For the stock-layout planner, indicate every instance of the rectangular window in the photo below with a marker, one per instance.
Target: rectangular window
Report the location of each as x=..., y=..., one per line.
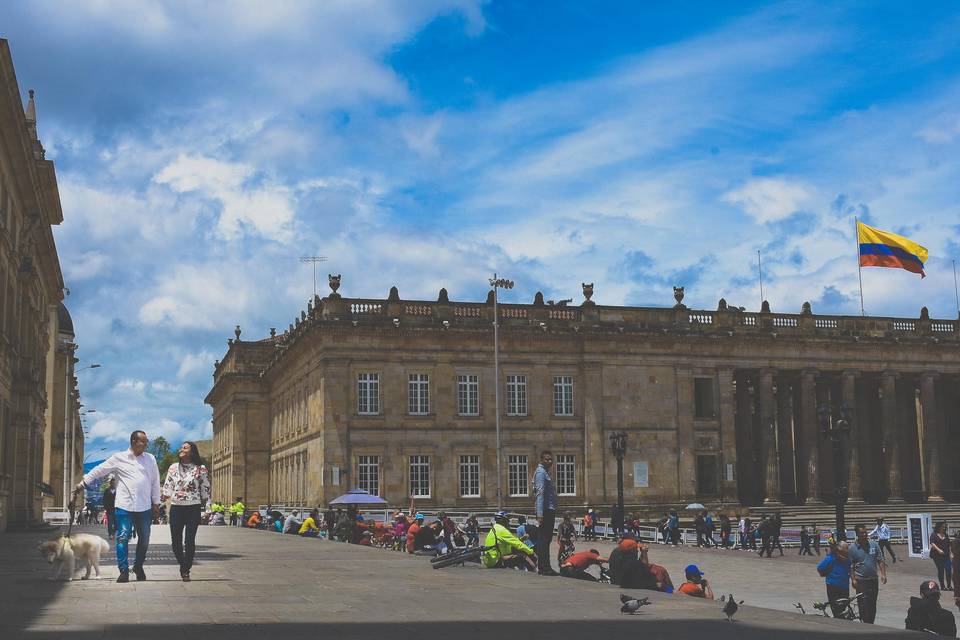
x=562, y=395
x=420, y=476
x=368, y=394
x=566, y=475
x=517, y=480
x=468, y=395
x=418, y=396
x=470, y=476
x=516, y=395
x=703, y=398
x=368, y=474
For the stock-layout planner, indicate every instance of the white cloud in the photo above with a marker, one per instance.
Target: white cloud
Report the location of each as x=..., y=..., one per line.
x=265, y=209
x=192, y=363
x=88, y=265
x=769, y=199
x=197, y=297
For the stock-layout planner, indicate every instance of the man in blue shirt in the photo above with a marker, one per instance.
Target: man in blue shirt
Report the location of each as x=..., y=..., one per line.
x=882, y=533
x=835, y=568
x=869, y=571
x=546, y=505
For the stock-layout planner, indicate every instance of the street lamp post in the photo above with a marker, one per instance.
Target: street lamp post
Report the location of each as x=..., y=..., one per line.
x=498, y=283
x=618, y=444
x=838, y=430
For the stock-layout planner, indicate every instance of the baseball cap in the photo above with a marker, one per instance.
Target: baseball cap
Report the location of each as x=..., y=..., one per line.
x=929, y=588
x=419, y=516
x=692, y=570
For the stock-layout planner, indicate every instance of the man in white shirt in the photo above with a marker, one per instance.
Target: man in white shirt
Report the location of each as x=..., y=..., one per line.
x=882, y=533
x=292, y=522
x=137, y=501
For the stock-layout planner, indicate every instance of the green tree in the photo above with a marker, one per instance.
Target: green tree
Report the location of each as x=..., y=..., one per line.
x=159, y=447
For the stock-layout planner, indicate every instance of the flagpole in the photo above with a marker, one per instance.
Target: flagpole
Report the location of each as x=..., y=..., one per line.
x=760, y=272
x=955, y=291
x=856, y=241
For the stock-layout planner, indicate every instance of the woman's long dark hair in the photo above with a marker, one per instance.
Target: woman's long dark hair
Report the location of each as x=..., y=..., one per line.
x=194, y=453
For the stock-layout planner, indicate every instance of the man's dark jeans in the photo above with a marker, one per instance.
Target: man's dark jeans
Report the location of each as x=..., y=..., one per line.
x=184, y=520
x=544, y=537
x=870, y=587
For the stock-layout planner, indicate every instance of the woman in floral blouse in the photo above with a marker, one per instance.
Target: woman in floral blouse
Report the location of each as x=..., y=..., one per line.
x=188, y=488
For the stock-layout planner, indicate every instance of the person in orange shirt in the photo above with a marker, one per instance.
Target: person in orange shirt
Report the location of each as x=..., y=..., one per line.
x=696, y=585
x=412, y=532
x=254, y=520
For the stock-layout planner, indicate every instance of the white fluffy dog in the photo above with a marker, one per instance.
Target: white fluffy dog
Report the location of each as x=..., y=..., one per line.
x=65, y=552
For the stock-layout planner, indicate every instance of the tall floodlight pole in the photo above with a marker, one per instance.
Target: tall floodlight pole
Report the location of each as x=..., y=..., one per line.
x=498, y=283
x=313, y=260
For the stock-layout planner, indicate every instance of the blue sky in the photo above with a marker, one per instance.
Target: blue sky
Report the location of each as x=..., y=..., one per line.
x=202, y=147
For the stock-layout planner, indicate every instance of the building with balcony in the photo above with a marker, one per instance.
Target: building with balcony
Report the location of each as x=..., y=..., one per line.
x=397, y=397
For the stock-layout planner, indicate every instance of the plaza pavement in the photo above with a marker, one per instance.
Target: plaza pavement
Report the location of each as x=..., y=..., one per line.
x=257, y=584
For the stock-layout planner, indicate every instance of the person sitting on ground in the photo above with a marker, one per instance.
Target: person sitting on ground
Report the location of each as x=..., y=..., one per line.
x=412, y=532
x=291, y=524
x=640, y=573
x=576, y=565
x=621, y=554
x=524, y=533
x=696, y=585
x=310, y=528
x=254, y=520
x=427, y=538
x=926, y=614
x=505, y=550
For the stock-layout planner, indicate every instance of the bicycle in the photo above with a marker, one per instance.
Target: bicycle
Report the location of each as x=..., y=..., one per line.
x=458, y=556
x=849, y=608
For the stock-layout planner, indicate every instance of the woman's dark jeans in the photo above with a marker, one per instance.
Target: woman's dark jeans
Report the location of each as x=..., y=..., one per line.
x=184, y=518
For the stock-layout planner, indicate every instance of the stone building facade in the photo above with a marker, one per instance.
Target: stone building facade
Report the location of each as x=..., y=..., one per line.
x=397, y=397
x=31, y=288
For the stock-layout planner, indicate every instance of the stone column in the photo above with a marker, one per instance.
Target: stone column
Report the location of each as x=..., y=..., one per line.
x=594, y=438
x=931, y=442
x=771, y=485
x=788, y=484
x=686, y=457
x=849, y=396
x=891, y=439
x=747, y=463
x=728, y=433
x=809, y=460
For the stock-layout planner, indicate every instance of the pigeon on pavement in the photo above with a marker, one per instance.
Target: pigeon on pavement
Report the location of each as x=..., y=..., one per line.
x=632, y=605
x=799, y=605
x=730, y=606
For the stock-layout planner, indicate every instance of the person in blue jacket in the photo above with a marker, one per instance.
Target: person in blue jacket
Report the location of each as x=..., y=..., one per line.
x=835, y=569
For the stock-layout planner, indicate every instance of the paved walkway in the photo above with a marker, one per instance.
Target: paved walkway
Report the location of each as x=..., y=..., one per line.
x=257, y=584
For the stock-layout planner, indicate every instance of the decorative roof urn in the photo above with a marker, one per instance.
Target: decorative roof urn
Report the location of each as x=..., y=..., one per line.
x=334, y=282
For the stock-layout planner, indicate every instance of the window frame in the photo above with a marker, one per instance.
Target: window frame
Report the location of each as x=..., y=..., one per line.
x=471, y=383
x=419, y=461
x=561, y=399
x=364, y=392
x=418, y=394
x=471, y=463
x=371, y=462
x=563, y=460
x=518, y=388
x=514, y=462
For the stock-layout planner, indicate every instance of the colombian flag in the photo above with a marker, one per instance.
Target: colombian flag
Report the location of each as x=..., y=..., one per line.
x=884, y=249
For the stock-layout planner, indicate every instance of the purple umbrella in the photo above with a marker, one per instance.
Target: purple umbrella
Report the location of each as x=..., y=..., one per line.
x=358, y=496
